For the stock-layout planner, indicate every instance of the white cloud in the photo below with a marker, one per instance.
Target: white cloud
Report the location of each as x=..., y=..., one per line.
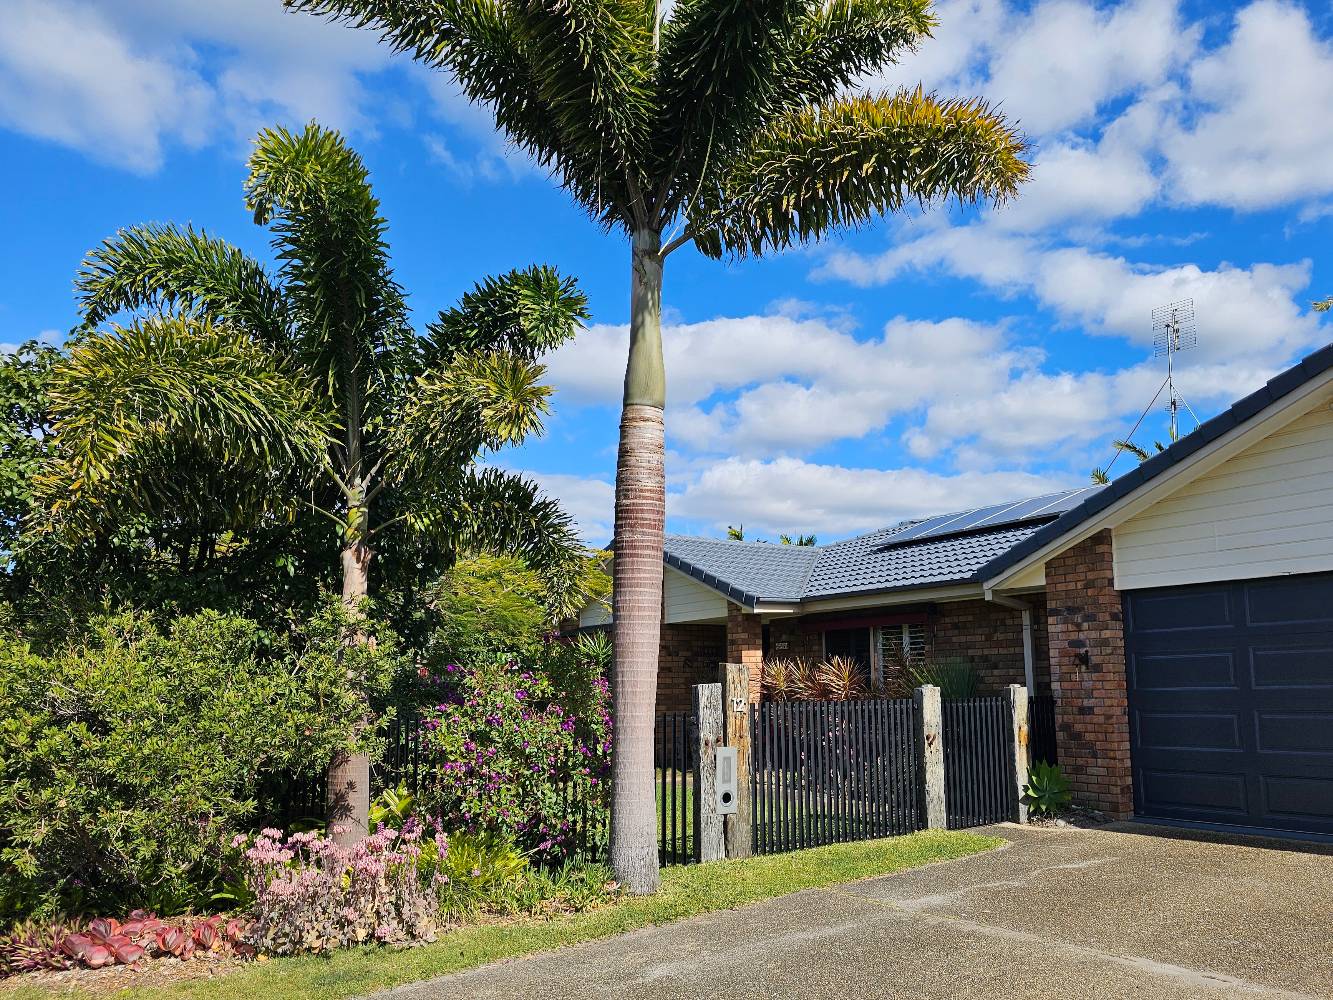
x=1243, y=312
x=1258, y=131
x=789, y=495
x=121, y=82
x=67, y=75
x=790, y=384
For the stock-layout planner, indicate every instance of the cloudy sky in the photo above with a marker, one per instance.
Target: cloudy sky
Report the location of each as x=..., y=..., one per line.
x=925, y=364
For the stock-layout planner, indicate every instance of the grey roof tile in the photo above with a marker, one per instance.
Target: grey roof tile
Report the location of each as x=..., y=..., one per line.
x=748, y=572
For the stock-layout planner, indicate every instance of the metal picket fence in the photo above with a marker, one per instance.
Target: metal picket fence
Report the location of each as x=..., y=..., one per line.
x=827, y=772
x=1041, y=729
x=977, y=746
x=674, y=756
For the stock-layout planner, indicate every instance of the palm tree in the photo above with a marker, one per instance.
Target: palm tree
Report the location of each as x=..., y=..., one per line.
x=238, y=397
x=725, y=125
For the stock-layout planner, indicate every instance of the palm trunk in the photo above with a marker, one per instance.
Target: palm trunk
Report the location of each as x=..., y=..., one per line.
x=640, y=521
x=348, y=786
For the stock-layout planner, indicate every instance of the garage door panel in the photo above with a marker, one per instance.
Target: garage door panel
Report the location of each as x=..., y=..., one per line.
x=1182, y=671
x=1192, y=794
x=1231, y=702
x=1188, y=731
x=1308, y=665
x=1294, y=732
x=1304, y=801
x=1293, y=600
x=1176, y=610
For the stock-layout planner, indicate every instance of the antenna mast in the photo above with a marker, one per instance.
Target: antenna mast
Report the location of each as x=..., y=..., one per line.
x=1175, y=331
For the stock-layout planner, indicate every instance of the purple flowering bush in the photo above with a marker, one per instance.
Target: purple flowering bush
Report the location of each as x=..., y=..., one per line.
x=521, y=750
x=310, y=895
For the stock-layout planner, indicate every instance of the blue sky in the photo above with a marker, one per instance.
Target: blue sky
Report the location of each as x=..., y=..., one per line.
x=927, y=363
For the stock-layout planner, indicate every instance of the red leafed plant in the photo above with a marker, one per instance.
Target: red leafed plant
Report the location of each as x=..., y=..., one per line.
x=107, y=941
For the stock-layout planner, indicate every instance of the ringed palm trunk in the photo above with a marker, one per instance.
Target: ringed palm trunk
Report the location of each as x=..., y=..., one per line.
x=348, y=786
x=640, y=520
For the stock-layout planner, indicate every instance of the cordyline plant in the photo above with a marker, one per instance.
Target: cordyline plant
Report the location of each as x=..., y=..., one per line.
x=735, y=127
x=243, y=395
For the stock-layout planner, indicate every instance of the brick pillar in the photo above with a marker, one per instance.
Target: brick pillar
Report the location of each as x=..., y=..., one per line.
x=1086, y=632
x=745, y=644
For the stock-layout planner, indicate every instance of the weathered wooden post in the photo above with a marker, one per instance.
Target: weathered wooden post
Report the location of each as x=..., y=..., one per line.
x=1017, y=697
x=930, y=756
x=709, y=841
x=735, y=679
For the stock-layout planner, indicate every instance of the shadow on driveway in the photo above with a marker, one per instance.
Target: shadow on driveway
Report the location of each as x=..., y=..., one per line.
x=1066, y=914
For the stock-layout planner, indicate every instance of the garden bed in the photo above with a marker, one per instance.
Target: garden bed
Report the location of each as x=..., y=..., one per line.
x=686, y=891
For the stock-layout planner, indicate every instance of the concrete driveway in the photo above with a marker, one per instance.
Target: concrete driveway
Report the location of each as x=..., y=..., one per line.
x=1068, y=914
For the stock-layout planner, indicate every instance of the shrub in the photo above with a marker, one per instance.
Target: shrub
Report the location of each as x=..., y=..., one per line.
x=489, y=605
x=480, y=872
x=954, y=676
x=313, y=896
x=518, y=752
x=1047, y=791
x=128, y=759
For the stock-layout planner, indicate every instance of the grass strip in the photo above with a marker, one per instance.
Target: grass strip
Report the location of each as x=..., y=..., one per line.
x=686, y=891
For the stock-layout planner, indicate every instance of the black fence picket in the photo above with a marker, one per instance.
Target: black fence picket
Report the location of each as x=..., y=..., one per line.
x=977, y=747
x=1041, y=729
x=830, y=772
x=674, y=759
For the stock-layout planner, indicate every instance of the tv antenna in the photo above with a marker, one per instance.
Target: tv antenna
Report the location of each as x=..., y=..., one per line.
x=1174, y=330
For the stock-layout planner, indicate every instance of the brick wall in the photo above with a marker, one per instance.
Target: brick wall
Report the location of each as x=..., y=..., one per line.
x=801, y=644
x=990, y=637
x=745, y=644
x=689, y=655
x=1087, y=641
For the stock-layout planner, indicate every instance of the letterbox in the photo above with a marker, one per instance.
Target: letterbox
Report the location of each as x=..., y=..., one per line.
x=726, y=780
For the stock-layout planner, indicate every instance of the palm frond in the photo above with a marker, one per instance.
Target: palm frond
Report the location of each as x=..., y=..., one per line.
x=722, y=62
x=491, y=510
x=565, y=81
x=478, y=403
x=1137, y=451
x=163, y=268
x=593, y=63
x=525, y=313
x=845, y=163
x=314, y=192
x=129, y=404
x=838, y=42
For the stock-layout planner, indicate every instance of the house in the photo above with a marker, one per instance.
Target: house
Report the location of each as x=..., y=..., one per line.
x=1181, y=617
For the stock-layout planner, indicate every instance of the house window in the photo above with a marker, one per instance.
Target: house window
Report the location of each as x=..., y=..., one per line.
x=899, y=645
x=852, y=643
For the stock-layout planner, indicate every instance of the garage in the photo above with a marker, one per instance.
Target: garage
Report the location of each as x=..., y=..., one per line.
x=1230, y=690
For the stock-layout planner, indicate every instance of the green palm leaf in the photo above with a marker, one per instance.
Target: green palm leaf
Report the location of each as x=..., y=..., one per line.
x=168, y=268
x=846, y=163
x=130, y=403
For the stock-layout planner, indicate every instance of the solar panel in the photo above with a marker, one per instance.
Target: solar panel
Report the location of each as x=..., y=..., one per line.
x=995, y=516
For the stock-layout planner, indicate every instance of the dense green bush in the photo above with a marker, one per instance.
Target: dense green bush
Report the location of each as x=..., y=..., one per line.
x=126, y=759
x=488, y=605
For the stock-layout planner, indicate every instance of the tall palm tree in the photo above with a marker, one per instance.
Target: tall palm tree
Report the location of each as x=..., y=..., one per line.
x=729, y=126
x=237, y=396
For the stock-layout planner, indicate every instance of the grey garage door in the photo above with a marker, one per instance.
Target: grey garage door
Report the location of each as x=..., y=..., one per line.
x=1231, y=702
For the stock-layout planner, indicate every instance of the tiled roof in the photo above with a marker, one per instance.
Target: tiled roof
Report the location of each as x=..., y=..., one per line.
x=748, y=572
x=744, y=571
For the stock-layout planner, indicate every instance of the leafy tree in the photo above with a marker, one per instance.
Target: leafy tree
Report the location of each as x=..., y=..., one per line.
x=735, y=534
x=245, y=397
x=728, y=126
x=804, y=540
x=1324, y=305
x=25, y=436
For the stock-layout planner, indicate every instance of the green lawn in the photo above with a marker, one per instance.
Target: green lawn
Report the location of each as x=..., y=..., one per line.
x=686, y=891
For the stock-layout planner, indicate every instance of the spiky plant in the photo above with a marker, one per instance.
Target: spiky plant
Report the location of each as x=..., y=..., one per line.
x=243, y=395
x=842, y=679
x=738, y=128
